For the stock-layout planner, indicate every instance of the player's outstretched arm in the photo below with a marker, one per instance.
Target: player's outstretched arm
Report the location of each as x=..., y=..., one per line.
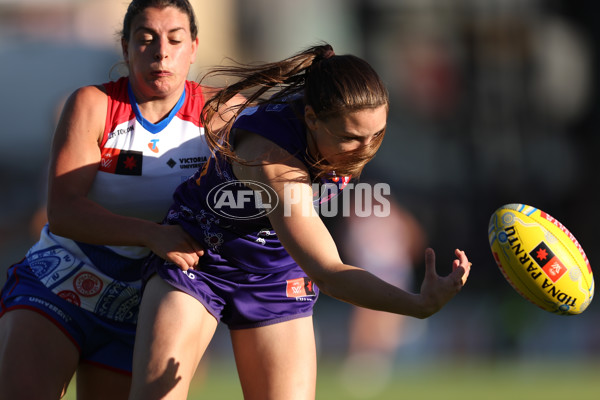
x=308, y=241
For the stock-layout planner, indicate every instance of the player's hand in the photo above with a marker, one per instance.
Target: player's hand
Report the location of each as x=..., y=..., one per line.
x=437, y=290
x=173, y=244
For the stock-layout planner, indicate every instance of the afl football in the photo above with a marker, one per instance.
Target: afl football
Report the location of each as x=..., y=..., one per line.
x=541, y=259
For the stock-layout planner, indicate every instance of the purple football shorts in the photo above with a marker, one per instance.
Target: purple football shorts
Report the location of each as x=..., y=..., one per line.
x=102, y=342
x=241, y=299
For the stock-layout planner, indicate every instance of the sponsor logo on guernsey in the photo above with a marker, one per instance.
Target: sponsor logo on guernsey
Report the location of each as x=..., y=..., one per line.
x=121, y=162
x=153, y=145
x=120, y=131
x=300, y=289
x=188, y=162
x=192, y=162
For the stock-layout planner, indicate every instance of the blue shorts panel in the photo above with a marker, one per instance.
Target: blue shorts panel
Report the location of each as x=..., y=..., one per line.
x=241, y=299
x=102, y=342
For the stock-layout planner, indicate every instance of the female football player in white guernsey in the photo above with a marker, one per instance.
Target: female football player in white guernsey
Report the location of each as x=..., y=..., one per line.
x=119, y=151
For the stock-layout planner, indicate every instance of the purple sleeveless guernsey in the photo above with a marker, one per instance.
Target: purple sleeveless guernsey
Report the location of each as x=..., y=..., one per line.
x=244, y=241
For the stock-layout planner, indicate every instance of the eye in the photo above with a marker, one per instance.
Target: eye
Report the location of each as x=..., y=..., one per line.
x=145, y=39
x=176, y=39
x=378, y=133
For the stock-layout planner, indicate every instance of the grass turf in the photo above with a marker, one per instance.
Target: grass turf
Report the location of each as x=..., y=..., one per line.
x=433, y=379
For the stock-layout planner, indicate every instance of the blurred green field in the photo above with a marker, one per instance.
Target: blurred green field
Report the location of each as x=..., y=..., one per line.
x=464, y=380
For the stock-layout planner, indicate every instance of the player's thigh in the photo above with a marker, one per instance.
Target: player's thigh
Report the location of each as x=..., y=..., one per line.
x=277, y=361
x=100, y=383
x=173, y=332
x=37, y=359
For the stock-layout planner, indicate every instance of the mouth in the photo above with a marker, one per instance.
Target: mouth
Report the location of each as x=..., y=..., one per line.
x=161, y=73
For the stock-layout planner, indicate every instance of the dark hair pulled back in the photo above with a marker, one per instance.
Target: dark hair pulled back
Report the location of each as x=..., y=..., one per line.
x=333, y=85
x=136, y=7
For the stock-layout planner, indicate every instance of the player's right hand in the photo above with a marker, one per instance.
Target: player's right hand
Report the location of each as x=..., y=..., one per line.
x=173, y=244
x=437, y=290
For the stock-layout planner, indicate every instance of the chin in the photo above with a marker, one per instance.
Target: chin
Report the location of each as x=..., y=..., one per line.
x=162, y=86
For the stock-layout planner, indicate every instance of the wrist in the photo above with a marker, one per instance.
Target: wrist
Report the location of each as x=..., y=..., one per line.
x=425, y=307
x=147, y=234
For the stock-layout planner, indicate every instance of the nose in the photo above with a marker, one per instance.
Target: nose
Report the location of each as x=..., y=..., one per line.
x=161, y=50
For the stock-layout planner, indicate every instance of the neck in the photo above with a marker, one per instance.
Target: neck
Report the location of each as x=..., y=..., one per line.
x=156, y=108
x=311, y=148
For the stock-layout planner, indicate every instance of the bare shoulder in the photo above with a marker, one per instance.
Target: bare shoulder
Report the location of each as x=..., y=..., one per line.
x=86, y=96
x=85, y=111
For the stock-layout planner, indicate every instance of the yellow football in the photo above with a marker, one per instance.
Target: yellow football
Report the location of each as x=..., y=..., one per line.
x=541, y=259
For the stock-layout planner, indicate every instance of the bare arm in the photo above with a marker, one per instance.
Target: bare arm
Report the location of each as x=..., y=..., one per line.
x=73, y=166
x=308, y=241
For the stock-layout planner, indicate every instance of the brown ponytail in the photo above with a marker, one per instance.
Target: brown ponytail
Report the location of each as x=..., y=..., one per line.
x=333, y=85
